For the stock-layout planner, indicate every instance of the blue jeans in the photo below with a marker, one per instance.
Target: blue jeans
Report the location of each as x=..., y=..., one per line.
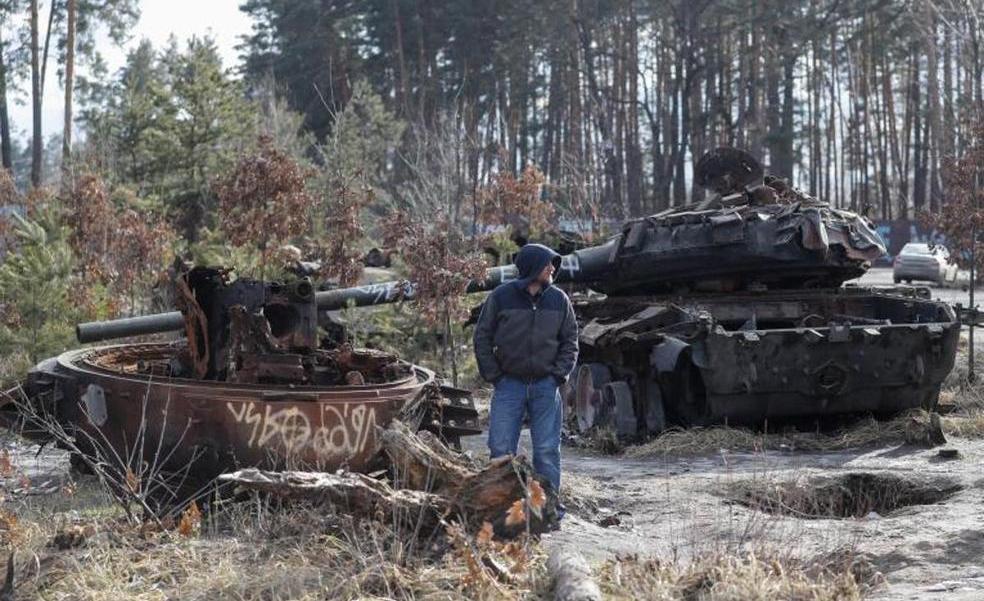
x=512, y=399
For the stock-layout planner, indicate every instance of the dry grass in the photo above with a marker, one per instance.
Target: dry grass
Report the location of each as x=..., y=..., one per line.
x=970, y=425
x=13, y=367
x=962, y=402
x=865, y=432
x=755, y=576
x=247, y=551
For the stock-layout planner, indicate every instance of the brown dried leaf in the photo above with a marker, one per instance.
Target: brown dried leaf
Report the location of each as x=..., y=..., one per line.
x=132, y=481
x=441, y=262
x=264, y=201
x=519, y=555
x=484, y=536
x=516, y=514
x=6, y=465
x=538, y=498
x=10, y=530
x=516, y=201
x=191, y=520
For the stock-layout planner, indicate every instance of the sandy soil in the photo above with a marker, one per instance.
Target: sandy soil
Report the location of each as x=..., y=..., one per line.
x=675, y=508
x=678, y=507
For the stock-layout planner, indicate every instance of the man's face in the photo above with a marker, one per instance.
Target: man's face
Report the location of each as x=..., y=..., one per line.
x=546, y=276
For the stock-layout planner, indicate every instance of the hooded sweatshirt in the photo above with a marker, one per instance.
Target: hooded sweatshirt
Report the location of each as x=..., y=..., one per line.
x=525, y=336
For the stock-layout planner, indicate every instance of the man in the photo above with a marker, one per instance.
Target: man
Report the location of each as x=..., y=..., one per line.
x=526, y=344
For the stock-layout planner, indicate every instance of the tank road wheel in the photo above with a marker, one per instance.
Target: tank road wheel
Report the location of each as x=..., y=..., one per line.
x=687, y=403
x=591, y=377
x=655, y=414
x=618, y=399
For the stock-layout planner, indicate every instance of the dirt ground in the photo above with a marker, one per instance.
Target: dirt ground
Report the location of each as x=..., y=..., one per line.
x=684, y=507
x=679, y=507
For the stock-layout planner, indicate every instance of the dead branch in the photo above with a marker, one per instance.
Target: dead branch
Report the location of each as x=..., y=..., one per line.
x=353, y=493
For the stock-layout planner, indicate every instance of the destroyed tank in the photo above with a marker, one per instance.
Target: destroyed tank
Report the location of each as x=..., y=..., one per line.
x=250, y=385
x=734, y=310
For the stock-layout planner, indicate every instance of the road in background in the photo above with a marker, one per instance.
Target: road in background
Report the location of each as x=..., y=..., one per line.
x=882, y=276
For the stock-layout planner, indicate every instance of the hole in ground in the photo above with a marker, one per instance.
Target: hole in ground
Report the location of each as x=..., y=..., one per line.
x=848, y=495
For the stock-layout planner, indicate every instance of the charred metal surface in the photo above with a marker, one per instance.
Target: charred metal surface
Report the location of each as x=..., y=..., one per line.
x=114, y=398
x=118, y=402
x=749, y=357
x=250, y=386
x=730, y=311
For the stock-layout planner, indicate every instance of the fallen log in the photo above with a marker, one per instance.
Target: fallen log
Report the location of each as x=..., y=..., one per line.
x=355, y=494
x=431, y=481
x=477, y=496
x=571, y=577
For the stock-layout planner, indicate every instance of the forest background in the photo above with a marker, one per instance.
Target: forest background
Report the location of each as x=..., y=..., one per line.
x=446, y=127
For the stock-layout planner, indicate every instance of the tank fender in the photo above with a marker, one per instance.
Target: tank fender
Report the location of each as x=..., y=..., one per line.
x=664, y=355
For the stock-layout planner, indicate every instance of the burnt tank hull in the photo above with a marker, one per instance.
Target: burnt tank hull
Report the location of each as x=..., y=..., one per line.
x=180, y=433
x=647, y=362
x=734, y=310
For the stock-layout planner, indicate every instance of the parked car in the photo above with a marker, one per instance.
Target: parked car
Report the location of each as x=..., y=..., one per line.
x=921, y=261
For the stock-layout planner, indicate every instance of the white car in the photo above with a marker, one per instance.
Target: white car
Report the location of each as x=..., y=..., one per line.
x=921, y=261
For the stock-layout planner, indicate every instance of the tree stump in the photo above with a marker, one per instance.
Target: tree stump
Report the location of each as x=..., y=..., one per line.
x=432, y=481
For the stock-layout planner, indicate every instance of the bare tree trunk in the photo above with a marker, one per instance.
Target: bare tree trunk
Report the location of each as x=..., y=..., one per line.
x=69, y=85
x=35, y=97
x=401, y=90
x=5, y=151
x=634, y=180
x=774, y=108
x=893, y=142
x=933, y=97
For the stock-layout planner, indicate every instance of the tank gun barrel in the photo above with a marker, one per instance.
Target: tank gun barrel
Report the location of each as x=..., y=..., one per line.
x=95, y=331
x=584, y=265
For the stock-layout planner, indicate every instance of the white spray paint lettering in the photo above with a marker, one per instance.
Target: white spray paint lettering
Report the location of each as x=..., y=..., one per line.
x=343, y=431
x=570, y=264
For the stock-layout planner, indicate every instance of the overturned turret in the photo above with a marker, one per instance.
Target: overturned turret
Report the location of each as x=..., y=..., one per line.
x=252, y=384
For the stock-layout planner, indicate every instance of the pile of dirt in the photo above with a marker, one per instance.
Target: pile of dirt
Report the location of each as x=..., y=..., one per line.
x=850, y=495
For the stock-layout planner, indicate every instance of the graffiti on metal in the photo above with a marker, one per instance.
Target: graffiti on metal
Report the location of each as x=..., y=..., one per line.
x=344, y=430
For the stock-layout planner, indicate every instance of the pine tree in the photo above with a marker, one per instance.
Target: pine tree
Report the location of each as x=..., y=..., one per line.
x=36, y=284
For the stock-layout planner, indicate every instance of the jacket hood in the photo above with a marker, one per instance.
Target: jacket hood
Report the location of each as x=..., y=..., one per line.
x=530, y=261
